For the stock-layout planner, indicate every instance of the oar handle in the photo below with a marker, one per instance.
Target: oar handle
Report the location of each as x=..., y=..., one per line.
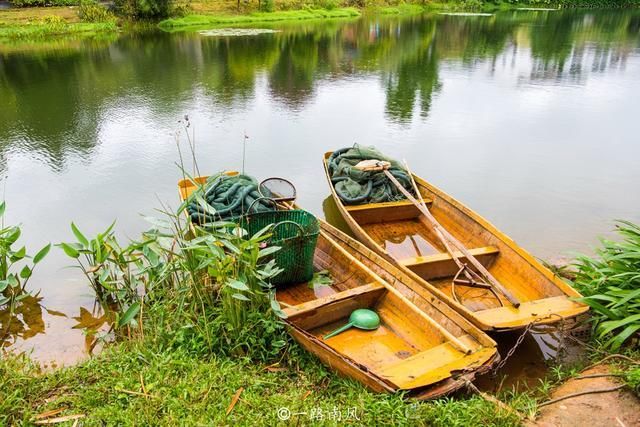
x=339, y=330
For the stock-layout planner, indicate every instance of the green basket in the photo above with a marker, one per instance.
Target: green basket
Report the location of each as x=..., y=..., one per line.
x=296, y=232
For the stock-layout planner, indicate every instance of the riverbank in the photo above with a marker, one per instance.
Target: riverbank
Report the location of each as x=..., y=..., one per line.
x=179, y=360
x=289, y=15
x=169, y=379
x=36, y=23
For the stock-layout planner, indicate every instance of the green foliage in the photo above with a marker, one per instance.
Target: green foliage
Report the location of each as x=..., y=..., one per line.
x=92, y=11
x=31, y=3
x=53, y=26
x=117, y=274
x=267, y=6
x=632, y=378
x=327, y=4
x=320, y=278
x=469, y=5
x=215, y=284
x=610, y=283
x=144, y=9
x=203, y=20
x=15, y=270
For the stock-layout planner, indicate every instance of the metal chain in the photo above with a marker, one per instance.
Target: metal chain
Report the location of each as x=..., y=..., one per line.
x=501, y=364
x=562, y=350
x=561, y=340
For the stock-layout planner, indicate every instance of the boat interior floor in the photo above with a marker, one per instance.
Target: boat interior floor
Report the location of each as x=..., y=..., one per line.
x=406, y=350
x=412, y=243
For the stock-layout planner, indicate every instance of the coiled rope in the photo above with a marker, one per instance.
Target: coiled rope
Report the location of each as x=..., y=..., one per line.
x=227, y=197
x=355, y=186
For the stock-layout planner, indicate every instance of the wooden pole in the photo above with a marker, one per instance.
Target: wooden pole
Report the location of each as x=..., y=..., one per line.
x=442, y=232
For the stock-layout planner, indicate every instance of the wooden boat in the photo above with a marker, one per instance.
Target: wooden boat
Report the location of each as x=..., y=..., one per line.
x=417, y=346
x=399, y=232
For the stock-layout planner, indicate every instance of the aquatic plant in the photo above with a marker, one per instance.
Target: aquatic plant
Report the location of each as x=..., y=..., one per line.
x=213, y=278
x=117, y=274
x=13, y=283
x=610, y=283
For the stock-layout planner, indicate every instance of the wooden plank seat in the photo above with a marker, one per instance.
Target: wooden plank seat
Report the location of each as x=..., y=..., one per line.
x=371, y=213
x=441, y=265
x=542, y=311
x=430, y=365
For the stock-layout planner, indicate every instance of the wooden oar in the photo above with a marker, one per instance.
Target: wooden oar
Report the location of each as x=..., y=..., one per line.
x=462, y=267
x=441, y=232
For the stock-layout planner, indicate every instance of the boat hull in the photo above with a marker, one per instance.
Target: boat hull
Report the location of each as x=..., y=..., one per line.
x=545, y=297
x=415, y=349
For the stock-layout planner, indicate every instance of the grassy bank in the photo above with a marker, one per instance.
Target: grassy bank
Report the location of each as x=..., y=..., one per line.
x=143, y=383
x=41, y=30
x=39, y=23
x=289, y=15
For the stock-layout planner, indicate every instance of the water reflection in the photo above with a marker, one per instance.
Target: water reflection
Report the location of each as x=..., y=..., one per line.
x=22, y=322
x=53, y=99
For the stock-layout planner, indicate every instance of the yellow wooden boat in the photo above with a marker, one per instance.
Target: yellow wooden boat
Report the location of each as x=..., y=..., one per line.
x=422, y=346
x=399, y=233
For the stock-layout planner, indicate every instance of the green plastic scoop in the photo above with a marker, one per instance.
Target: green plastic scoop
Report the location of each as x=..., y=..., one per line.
x=361, y=318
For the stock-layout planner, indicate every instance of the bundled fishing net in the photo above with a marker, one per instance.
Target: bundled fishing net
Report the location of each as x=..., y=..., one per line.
x=355, y=186
x=229, y=196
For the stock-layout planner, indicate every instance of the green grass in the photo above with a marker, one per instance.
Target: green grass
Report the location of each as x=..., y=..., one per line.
x=42, y=30
x=402, y=9
x=289, y=15
x=186, y=389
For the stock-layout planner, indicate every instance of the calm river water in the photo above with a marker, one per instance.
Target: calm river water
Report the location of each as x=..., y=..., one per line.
x=530, y=118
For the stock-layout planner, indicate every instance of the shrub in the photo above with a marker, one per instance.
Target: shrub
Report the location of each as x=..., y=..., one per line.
x=92, y=11
x=327, y=4
x=267, y=5
x=144, y=9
